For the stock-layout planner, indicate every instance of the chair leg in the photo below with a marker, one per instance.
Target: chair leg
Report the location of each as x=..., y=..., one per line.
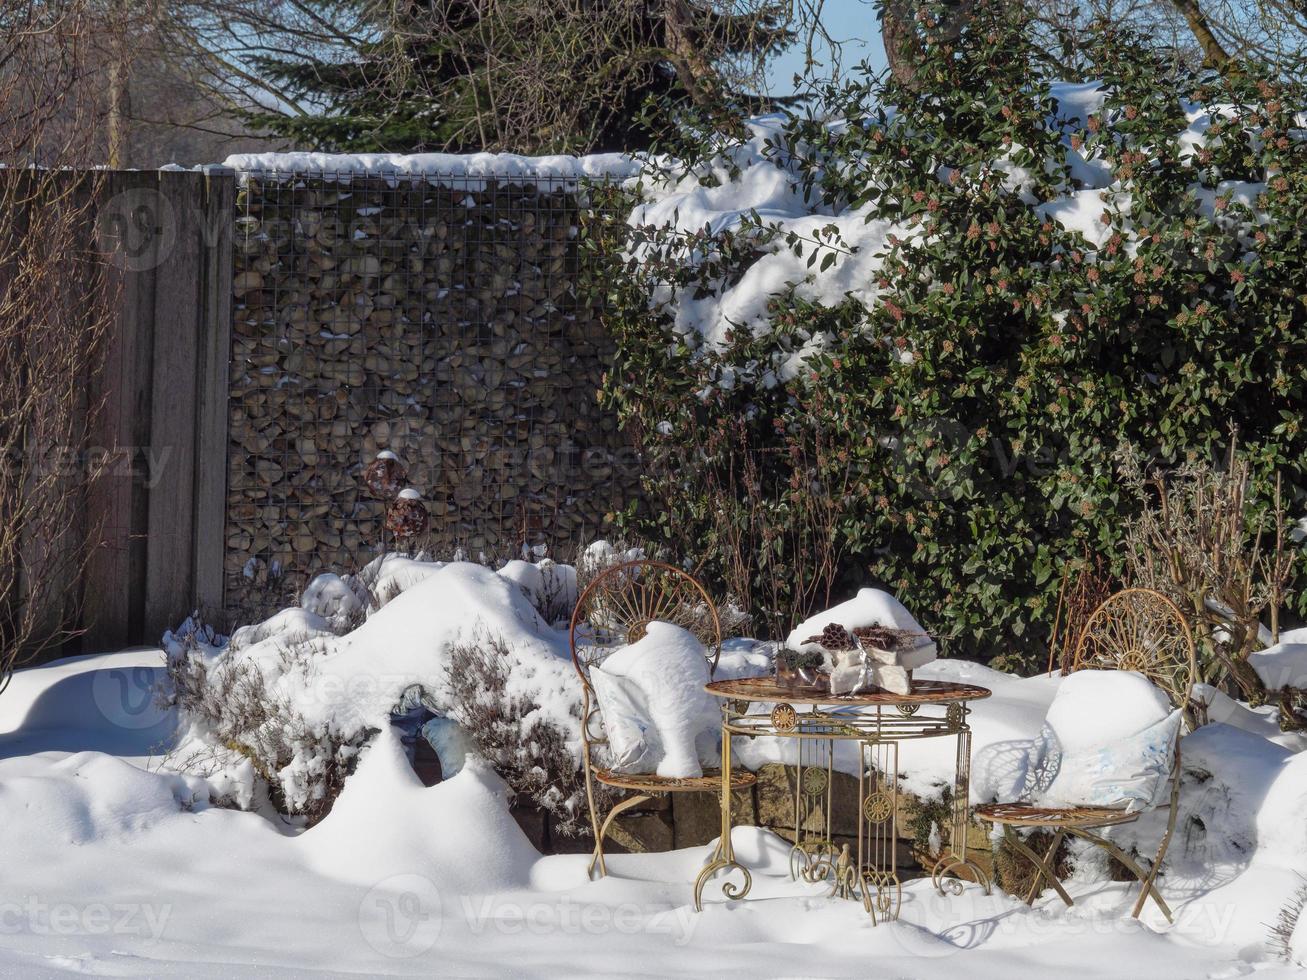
x=598, y=855
x=1148, y=885
x=597, y=859
x=1146, y=878
x=1043, y=870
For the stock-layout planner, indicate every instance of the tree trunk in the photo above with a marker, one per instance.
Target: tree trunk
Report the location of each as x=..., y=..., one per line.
x=902, y=47
x=118, y=77
x=696, y=72
x=1214, y=55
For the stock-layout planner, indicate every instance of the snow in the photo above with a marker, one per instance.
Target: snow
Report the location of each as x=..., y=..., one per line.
x=1282, y=665
x=120, y=861
x=360, y=677
x=469, y=170
x=765, y=190
x=752, y=191
x=870, y=607
x=1110, y=742
x=383, y=825
x=651, y=694
x=1094, y=707
x=402, y=879
x=330, y=598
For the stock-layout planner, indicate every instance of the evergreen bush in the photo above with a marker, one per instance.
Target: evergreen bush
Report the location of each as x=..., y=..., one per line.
x=961, y=416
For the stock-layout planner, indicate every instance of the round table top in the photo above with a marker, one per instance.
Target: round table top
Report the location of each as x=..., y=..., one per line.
x=923, y=692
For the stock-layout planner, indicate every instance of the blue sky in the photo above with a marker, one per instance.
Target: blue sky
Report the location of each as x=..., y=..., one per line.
x=851, y=21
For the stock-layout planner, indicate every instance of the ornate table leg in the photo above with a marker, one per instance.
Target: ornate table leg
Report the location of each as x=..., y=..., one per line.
x=813, y=856
x=876, y=875
x=724, y=856
x=947, y=871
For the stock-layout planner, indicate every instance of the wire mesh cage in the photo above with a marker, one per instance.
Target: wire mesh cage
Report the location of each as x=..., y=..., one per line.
x=437, y=316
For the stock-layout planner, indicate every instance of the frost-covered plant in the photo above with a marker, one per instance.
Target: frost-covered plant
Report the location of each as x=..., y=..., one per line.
x=539, y=761
x=1000, y=282
x=228, y=701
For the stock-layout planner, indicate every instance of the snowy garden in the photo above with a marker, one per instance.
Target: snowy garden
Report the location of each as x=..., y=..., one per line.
x=937, y=604
x=154, y=839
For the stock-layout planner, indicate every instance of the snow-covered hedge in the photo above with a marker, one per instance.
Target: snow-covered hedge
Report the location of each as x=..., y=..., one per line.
x=927, y=330
x=293, y=699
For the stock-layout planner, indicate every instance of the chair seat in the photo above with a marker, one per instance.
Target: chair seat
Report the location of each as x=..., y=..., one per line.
x=1030, y=815
x=648, y=782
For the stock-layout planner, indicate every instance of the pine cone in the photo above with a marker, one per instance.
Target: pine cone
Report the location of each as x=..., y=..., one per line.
x=886, y=637
x=833, y=637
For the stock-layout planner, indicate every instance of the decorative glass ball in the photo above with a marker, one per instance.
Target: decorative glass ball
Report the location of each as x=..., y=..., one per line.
x=385, y=476
x=406, y=517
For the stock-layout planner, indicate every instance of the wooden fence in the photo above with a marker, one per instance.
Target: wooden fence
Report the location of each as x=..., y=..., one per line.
x=163, y=419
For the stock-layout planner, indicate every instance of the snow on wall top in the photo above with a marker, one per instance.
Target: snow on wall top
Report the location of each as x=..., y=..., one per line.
x=470, y=165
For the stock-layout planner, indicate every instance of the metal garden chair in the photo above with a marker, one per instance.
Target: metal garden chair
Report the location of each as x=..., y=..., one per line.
x=1139, y=630
x=614, y=610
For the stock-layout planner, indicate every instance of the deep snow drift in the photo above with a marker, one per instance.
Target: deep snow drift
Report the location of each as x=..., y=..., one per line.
x=118, y=863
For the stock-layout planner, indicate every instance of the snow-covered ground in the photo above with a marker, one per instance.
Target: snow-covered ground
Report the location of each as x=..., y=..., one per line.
x=115, y=863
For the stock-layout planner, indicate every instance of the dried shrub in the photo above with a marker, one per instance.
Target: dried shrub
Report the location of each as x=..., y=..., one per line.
x=1086, y=585
x=537, y=759
x=1015, y=874
x=304, y=769
x=1205, y=538
x=1281, y=937
x=56, y=311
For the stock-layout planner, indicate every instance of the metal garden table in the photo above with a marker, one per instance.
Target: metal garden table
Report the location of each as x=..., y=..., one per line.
x=877, y=721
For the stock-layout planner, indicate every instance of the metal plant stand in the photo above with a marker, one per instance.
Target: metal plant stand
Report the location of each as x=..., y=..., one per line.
x=877, y=721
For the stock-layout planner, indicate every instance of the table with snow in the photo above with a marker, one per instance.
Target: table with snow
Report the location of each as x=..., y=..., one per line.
x=877, y=721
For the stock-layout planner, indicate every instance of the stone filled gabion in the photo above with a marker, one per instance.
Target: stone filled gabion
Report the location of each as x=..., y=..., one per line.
x=440, y=321
x=385, y=476
x=407, y=517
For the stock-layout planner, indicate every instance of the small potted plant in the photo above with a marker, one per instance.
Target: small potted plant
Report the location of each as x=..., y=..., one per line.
x=800, y=670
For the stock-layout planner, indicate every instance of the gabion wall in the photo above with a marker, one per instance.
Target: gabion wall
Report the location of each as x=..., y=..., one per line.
x=434, y=316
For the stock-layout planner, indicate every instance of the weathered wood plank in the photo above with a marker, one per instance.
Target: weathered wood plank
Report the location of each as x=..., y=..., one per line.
x=212, y=412
x=169, y=465
x=113, y=580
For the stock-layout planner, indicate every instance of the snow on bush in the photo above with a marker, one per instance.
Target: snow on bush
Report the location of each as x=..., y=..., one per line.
x=298, y=695
x=941, y=320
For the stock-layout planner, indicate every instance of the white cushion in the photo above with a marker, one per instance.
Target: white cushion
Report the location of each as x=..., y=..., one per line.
x=632, y=741
x=656, y=713
x=1108, y=740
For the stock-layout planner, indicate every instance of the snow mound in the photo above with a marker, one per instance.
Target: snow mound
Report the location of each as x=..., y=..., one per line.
x=1282, y=665
x=304, y=698
x=385, y=823
x=89, y=796
x=1093, y=707
x=870, y=607
x=361, y=677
